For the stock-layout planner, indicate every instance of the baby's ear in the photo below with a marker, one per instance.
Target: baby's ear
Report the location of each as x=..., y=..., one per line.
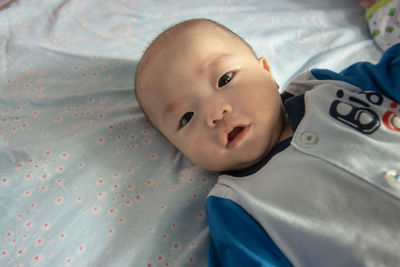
x=264, y=64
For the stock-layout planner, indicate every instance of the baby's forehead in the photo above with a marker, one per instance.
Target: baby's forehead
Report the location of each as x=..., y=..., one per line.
x=181, y=45
x=165, y=40
x=187, y=35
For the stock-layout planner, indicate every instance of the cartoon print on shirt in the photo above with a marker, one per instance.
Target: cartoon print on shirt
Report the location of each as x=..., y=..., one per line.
x=357, y=113
x=359, y=117
x=391, y=120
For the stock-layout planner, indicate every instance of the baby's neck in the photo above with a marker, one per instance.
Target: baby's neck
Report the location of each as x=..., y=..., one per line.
x=286, y=131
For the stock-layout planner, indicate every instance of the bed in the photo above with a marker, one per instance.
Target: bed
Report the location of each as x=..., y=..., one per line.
x=84, y=179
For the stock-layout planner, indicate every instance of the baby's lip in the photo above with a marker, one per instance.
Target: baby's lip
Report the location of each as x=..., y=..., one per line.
x=235, y=135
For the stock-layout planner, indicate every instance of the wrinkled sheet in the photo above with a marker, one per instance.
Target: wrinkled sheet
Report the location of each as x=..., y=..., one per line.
x=84, y=179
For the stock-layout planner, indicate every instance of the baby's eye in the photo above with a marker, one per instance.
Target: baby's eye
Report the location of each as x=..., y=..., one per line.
x=185, y=119
x=226, y=78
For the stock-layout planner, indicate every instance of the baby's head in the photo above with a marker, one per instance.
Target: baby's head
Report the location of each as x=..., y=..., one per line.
x=203, y=88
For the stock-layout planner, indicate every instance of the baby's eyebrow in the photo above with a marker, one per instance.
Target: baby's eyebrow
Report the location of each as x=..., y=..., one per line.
x=211, y=60
x=170, y=108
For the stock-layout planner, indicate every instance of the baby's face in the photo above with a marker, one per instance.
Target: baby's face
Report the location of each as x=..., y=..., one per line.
x=217, y=103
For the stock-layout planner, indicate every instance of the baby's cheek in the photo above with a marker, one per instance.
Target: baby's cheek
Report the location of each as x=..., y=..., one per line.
x=201, y=146
x=193, y=147
x=199, y=143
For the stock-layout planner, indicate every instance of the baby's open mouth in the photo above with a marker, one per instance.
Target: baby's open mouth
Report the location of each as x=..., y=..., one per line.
x=236, y=136
x=235, y=131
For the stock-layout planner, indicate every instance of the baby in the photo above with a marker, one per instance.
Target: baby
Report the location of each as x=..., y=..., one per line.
x=310, y=177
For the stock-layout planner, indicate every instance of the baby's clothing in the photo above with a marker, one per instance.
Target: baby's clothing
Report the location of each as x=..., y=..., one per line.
x=384, y=22
x=329, y=196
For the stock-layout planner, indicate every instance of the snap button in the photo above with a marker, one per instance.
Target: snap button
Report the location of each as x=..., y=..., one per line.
x=309, y=138
x=393, y=177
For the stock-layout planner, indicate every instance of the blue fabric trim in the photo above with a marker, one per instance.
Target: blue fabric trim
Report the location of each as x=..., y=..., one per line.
x=382, y=77
x=237, y=239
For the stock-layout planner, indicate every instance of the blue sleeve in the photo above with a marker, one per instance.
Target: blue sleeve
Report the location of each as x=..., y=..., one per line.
x=237, y=239
x=383, y=77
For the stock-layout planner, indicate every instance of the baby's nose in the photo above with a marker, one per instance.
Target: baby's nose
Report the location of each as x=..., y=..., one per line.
x=217, y=114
